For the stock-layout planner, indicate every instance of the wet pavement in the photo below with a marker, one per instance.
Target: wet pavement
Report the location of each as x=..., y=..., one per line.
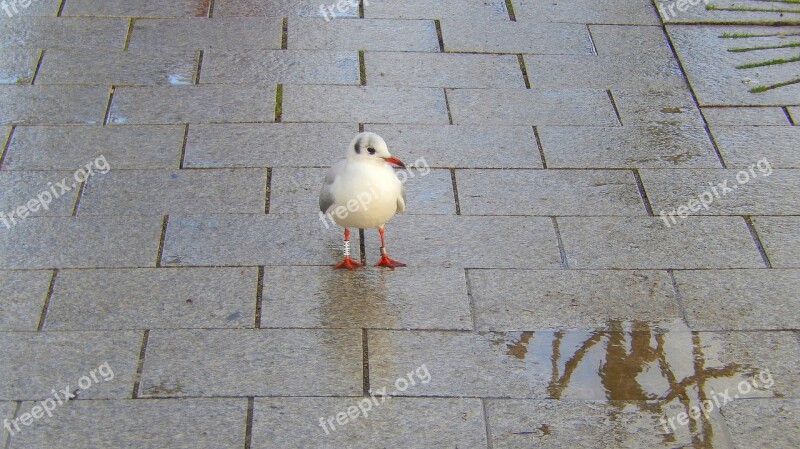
x=602, y=227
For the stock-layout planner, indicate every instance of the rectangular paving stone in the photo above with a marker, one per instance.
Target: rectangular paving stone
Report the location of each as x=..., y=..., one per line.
x=366, y=34
x=154, y=298
x=21, y=189
x=600, y=72
x=587, y=107
x=281, y=67
x=779, y=236
x=122, y=8
x=62, y=32
x=631, y=43
x=775, y=426
x=314, y=297
x=648, y=243
x=745, y=116
x=585, y=299
x=268, y=362
x=61, y=242
x=764, y=192
x=61, y=66
x=124, y=147
x=548, y=192
x=398, y=422
x=730, y=11
x=34, y=8
x=654, y=146
x=490, y=10
x=267, y=144
x=22, y=296
x=201, y=33
x=467, y=146
x=48, y=105
x=180, y=424
x=278, y=8
x=628, y=12
x=159, y=192
x=657, y=103
x=516, y=37
x=443, y=70
x=206, y=103
x=36, y=363
x=17, y=66
x=725, y=299
x=742, y=146
x=364, y=104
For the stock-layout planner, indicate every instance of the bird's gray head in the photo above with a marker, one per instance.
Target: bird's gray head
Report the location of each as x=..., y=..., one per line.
x=370, y=146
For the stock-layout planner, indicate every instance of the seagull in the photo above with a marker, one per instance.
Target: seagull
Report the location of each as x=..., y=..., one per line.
x=362, y=191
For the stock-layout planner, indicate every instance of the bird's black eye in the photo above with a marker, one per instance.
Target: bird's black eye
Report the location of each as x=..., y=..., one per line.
x=371, y=150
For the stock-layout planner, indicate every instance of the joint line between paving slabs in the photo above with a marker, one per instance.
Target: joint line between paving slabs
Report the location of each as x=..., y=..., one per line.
x=488, y=429
x=38, y=66
x=591, y=39
x=757, y=239
x=643, y=193
x=365, y=362
x=788, y=116
x=361, y=9
x=259, y=296
x=614, y=106
x=210, y=9
x=455, y=190
x=81, y=189
x=362, y=246
x=539, y=146
x=108, y=105
x=713, y=141
x=524, y=71
x=248, y=423
x=199, y=66
x=61, y=8
x=438, y=24
x=678, y=295
x=361, y=127
x=470, y=299
x=362, y=68
x=561, y=250
x=284, y=33
x=6, y=145
x=510, y=8
x=447, y=106
x=140, y=365
x=46, y=305
x=128, y=34
x=279, y=103
x=182, y=160
x=17, y=407
x=268, y=191
x=161, y=241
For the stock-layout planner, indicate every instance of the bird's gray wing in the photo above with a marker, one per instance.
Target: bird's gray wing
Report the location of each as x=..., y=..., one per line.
x=401, y=200
x=326, y=198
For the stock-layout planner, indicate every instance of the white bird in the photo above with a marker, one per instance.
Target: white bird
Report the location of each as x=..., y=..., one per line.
x=362, y=191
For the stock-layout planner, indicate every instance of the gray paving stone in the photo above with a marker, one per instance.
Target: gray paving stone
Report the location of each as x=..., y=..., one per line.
x=62, y=32
x=506, y=300
x=753, y=115
x=154, y=298
x=548, y=192
x=745, y=12
x=724, y=300
x=366, y=34
x=647, y=243
x=764, y=422
x=600, y=72
x=281, y=67
x=60, y=242
x=628, y=12
x=267, y=144
x=630, y=43
x=34, y=8
x=398, y=422
x=159, y=192
x=278, y=8
x=104, y=67
x=489, y=10
x=17, y=66
x=178, y=424
x=36, y=363
x=147, y=8
x=206, y=103
x=22, y=296
x=222, y=33
x=516, y=37
x=775, y=194
x=655, y=146
x=741, y=146
x=364, y=104
x=314, y=297
x=21, y=189
x=779, y=236
x=7, y=410
x=46, y=105
x=295, y=362
x=587, y=107
x=442, y=70
x=296, y=190
x=657, y=103
x=124, y=147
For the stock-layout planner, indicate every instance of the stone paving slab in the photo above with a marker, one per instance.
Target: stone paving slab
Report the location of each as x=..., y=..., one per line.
x=740, y=299
x=21, y=189
x=17, y=66
x=489, y=10
x=159, y=192
x=36, y=363
x=764, y=423
x=657, y=104
x=647, y=243
x=61, y=242
x=278, y=8
x=320, y=297
x=745, y=116
x=467, y=146
x=741, y=146
x=253, y=363
x=7, y=410
x=281, y=67
x=507, y=300
x=654, y=146
x=443, y=70
x=44, y=105
x=366, y=34
x=159, y=298
x=627, y=12
x=22, y=297
x=201, y=34
x=516, y=37
x=208, y=103
x=267, y=145
x=631, y=42
x=58, y=32
x=178, y=424
x=779, y=236
x=124, y=147
x=314, y=103
x=35, y=8
x=123, y=8
x=548, y=193
x=397, y=422
x=731, y=11
x=600, y=72
x=587, y=107
x=104, y=67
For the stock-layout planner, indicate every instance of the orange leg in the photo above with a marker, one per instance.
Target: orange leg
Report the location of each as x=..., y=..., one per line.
x=385, y=261
x=348, y=263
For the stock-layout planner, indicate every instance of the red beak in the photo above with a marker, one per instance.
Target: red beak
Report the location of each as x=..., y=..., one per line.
x=395, y=161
